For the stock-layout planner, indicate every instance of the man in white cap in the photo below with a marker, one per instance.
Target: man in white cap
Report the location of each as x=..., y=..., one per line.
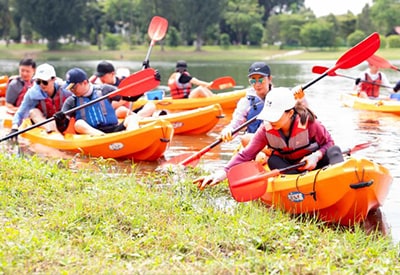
x=293, y=133
x=43, y=99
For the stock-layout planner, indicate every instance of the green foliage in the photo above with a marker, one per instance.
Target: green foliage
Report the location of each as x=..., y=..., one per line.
x=256, y=34
x=224, y=41
x=318, y=34
x=393, y=41
x=112, y=41
x=52, y=21
x=355, y=37
x=384, y=14
x=173, y=37
x=240, y=14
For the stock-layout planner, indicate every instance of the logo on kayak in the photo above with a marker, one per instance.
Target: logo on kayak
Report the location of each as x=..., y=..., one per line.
x=177, y=124
x=116, y=146
x=296, y=196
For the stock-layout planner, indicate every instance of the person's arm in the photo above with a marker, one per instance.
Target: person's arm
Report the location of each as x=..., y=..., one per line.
x=13, y=90
x=256, y=145
x=28, y=103
x=385, y=82
x=239, y=115
x=320, y=134
x=199, y=82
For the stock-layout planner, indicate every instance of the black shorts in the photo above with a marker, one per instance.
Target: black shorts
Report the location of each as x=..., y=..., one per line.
x=113, y=128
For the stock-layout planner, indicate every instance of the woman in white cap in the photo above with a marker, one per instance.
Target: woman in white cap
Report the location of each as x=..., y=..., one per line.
x=43, y=99
x=293, y=133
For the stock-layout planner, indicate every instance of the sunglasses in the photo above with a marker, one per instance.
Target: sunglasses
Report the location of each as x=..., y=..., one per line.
x=44, y=82
x=253, y=81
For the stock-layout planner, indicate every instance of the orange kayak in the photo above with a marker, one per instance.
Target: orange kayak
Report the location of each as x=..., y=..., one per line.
x=343, y=193
x=192, y=122
x=188, y=122
x=227, y=100
x=147, y=143
x=3, y=85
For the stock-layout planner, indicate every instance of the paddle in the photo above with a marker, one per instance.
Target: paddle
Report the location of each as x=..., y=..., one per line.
x=135, y=84
x=222, y=83
x=321, y=70
x=156, y=31
x=248, y=181
x=381, y=62
x=351, y=58
x=192, y=160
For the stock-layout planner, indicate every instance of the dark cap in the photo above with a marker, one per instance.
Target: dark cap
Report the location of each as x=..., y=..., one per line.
x=259, y=68
x=181, y=64
x=103, y=68
x=73, y=76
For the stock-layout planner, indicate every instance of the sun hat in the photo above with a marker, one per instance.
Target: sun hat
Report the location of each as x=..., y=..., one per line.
x=73, y=76
x=45, y=72
x=103, y=68
x=277, y=101
x=259, y=68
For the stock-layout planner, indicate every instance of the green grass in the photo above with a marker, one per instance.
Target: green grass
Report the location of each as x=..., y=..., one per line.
x=208, y=53
x=57, y=220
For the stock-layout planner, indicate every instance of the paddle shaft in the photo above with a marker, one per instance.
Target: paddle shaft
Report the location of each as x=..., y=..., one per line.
x=70, y=111
x=215, y=143
x=321, y=69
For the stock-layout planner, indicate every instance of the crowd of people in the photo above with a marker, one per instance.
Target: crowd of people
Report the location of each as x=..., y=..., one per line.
x=284, y=132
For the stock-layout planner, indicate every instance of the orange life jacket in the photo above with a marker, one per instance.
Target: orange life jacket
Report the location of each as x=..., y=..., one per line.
x=177, y=89
x=297, y=145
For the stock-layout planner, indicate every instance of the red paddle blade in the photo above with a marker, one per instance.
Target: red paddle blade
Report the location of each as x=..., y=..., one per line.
x=157, y=28
x=247, y=190
x=359, y=52
x=138, y=83
x=321, y=70
x=381, y=62
x=221, y=83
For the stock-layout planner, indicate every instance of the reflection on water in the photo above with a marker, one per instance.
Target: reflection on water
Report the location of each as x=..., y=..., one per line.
x=348, y=127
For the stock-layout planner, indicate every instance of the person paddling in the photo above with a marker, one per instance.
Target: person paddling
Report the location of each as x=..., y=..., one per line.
x=180, y=83
x=293, y=133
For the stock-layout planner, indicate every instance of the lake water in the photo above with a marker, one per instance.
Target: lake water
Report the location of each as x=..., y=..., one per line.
x=348, y=127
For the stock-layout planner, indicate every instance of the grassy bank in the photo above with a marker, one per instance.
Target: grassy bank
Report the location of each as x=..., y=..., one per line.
x=55, y=220
x=208, y=53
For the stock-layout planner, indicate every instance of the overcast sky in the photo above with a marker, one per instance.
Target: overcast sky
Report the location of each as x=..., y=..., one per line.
x=325, y=7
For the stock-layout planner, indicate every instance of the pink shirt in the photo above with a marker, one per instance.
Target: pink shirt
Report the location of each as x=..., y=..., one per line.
x=316, y=132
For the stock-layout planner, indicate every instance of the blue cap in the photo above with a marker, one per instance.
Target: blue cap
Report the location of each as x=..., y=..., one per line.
x=73, y=76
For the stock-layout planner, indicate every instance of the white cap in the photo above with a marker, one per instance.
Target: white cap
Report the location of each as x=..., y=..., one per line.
x=277, y=101
x=44, y=72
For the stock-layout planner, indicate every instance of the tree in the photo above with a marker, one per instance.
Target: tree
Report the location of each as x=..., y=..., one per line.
x=53, y=19
x=5, y=19
x=318, y=34
x=197, y=15
x=384, y=13
x=364, y=21
x=240, y=15
x=272, y=7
